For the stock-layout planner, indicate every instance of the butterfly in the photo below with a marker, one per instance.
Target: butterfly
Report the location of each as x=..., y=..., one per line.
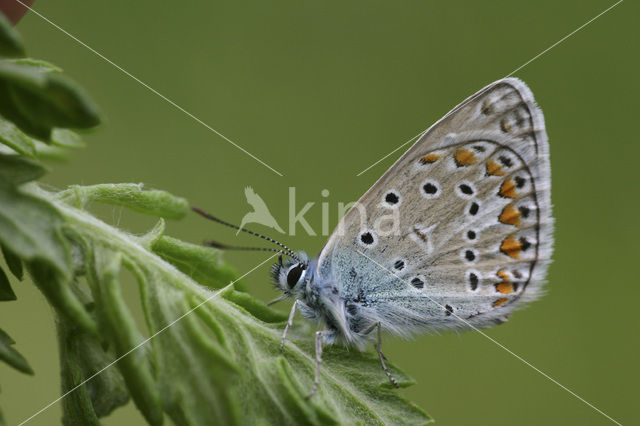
x=457, y=234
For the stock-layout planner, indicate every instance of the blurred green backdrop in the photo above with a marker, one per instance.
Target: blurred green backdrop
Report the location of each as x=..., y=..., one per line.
x=319, y=91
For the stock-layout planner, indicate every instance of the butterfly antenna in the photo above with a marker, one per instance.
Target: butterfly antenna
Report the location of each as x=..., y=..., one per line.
x=215, y=244
x=286, y=250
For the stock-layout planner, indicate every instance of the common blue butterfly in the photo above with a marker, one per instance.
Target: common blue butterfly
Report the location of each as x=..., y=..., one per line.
x=471, y=240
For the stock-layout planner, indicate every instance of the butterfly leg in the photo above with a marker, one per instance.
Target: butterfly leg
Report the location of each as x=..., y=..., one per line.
x=289, y=324
x=316, y=380
x=378, y=347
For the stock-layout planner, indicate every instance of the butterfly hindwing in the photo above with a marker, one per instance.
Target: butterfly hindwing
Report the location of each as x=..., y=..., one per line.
x=460, y=224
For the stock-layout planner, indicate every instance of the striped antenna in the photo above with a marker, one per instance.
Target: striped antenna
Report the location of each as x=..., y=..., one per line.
x=286, y=250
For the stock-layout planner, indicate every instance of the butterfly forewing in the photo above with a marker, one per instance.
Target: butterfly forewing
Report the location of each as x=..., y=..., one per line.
x=460, y=224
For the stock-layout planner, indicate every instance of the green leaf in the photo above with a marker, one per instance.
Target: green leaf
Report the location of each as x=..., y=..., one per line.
x=16, y=170
x=6, y=292
x=131, y=195
x=297, y=406
x=12, y=357
x=193, y=346
x=30, y=227
x=50, y=151
x=134, y=364
x=10, y=40
x=14, y=138
x=254, y=306
x=203, y=264
x=81, y=358
x=36, y=64
x=60, y=295
x=37, y=100
x=13, y=262
x=67, y=139
x=215, y=355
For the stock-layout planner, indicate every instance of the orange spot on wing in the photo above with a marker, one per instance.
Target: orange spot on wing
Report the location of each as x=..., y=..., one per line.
x=505, y=287
x=464, y=157
x=508, y=189
x=486, y=107
x=502, y=274
x=500, y=302
x=429, y=158
x=420, y=234
x=510, y=216
x=511, y=247
x=493, y=168
x=505, y=126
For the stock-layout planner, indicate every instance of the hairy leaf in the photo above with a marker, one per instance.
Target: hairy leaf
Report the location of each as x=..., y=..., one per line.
x=215, y=355
x=30, y=227
x=131, y=195
x=120, y=326
x=57, y=289
x=95, y=388
x=200, y=263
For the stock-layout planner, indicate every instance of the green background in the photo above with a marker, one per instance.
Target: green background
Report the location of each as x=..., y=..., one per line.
x=319, y=91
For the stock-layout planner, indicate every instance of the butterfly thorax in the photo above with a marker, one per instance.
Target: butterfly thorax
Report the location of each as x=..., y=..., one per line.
x=321, y=301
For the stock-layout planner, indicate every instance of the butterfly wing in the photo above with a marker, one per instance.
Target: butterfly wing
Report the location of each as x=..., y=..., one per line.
x=459, y=227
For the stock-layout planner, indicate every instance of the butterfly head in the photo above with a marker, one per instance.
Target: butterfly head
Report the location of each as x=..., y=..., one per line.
x=288, y=275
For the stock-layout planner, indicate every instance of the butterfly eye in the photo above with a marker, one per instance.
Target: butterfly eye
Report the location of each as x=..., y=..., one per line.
x=294, y=274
